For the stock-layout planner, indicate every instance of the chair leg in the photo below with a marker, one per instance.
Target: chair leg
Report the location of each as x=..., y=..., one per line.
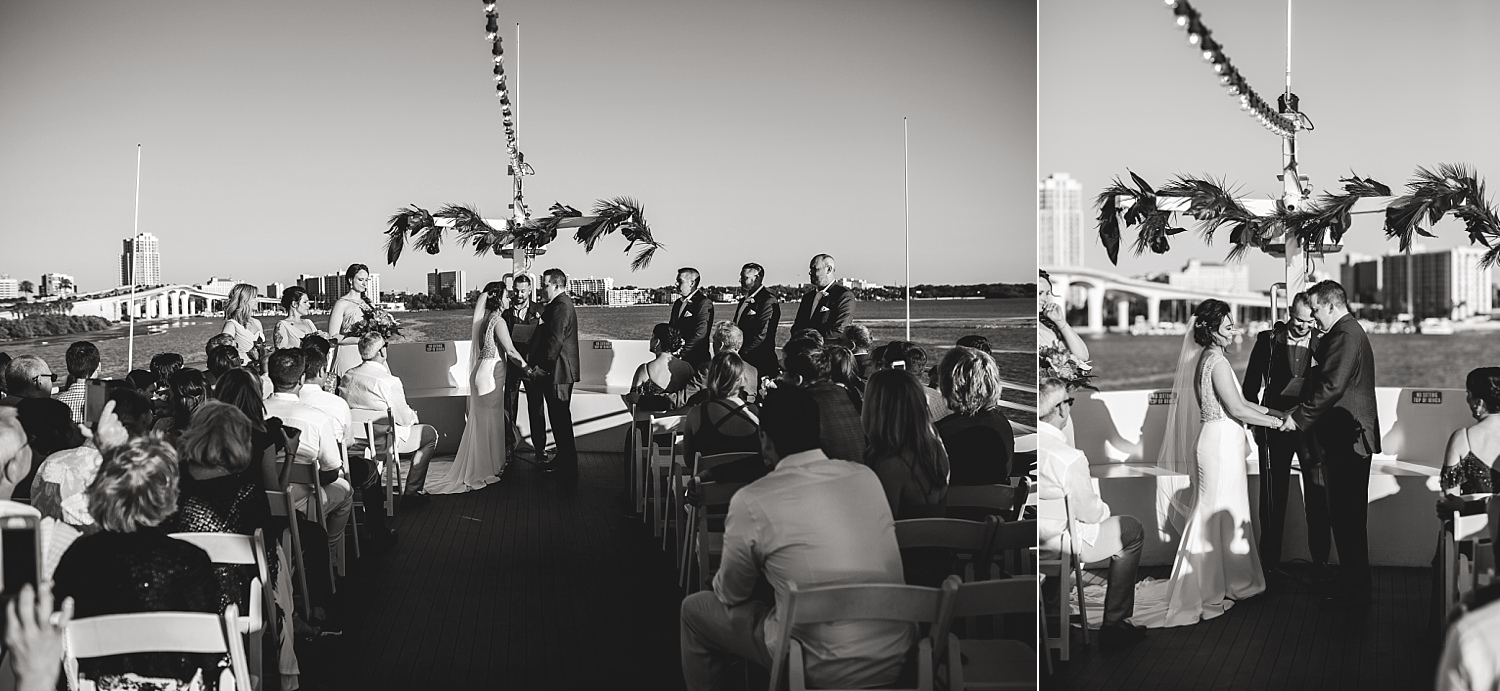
x=1083, y=612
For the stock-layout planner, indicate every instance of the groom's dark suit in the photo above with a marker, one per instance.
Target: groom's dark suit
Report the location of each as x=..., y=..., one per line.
x=1338, y=410
x=1276, y=362
x=554, y=349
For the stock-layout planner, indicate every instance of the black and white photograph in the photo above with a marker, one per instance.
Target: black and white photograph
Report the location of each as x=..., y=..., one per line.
x=1266, y=259
x=403, y=344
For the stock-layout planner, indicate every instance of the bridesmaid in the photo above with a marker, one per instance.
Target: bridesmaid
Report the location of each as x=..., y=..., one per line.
x=348, y=311
x=240, y=322
x=289, y=331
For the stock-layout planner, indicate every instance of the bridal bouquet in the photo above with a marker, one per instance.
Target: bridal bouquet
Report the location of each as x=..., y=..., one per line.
x=376, y=321
x=1058, y=361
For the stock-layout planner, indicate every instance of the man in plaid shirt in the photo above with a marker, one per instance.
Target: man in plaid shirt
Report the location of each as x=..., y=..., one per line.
x=83, y=364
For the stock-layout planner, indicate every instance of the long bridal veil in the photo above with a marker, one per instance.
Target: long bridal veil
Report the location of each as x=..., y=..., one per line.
x=1180, y=443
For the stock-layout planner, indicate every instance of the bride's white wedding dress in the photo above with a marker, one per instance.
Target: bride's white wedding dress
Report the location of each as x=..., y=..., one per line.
x=481, y=451
x=1217, y=560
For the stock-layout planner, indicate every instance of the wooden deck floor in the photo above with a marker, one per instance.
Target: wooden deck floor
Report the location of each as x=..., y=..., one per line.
x=1279, y=640
x=525, y=584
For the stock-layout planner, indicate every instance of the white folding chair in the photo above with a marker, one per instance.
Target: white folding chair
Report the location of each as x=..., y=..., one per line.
x=245, y=550
x=659, y=463
x=374, y=433
x=161, y=632
x=881, y=602
x=690, y=534
x=1061, y=565
x=990, y=664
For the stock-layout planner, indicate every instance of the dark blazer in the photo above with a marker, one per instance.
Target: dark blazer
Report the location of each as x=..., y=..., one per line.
x=693, y=320
x=531, y=316
x=554, y=348
x=758, y=320
x=833, y=314
x=1338, y=399
x=1272, y=362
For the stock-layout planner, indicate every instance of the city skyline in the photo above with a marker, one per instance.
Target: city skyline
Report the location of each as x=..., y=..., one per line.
x=1164, y=113
x=298, y=129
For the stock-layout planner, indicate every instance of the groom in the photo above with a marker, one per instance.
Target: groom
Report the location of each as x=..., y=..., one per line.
x=1338, y=412
x=552, y=367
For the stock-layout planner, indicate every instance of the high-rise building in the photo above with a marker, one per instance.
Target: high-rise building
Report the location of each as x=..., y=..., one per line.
x=57, y=285
x=450, y=284
x=334, y=287
x=1360, y=276
x=314, y=287
x=274, y=290
x=1059, y=220
x=1447, y=284
x=591, y=286
x=10, y=288
x=141, y=260
x=373, y=288
x=621, y=297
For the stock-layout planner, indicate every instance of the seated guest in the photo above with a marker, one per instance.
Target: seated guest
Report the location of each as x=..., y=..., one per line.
x=142, y=380
x=1063, y=471
x=60, y=490
x=913, y=358
x=186, y=390
x=83, y=365
x=219, y=492
x=27, y=376
x=858, y=337
x=796, y=348
x=813, y=335
x=976, y=342
x=797, y=524
x=839, y=363
x=1469, y=461
x=723, y=422
x=902, y=448
x=324, y=347
x=314, y=393
x=1471, y=656
x=841, y=435
x=724, y=337
x=658, y=383
x=49, y=429
x=220, y=360
x=371, y=386
x=240, y=388
x=319, y=446
x=216, y=340
x=134, y=566
x=163, y=366
x=979, y=438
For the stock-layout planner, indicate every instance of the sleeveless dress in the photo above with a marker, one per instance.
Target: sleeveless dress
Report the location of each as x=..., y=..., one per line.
x=346, y=356
x=1471, y=475
x=1217, y=560
x=481, y=451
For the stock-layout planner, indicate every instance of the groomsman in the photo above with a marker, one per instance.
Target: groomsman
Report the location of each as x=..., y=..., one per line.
x=692, y=314
x=757, y=315
x=827, y=308
x=523, y=311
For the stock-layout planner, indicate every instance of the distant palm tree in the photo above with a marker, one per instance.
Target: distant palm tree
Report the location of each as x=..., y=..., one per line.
x=28, y=288
x=66, y=285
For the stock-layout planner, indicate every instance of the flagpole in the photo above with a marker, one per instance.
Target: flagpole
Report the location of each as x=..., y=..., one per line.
x=130, y=349
x=906, y=212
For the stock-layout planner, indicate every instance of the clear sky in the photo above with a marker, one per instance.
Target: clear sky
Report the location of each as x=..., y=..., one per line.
x=1389, y=84
x=279, y=135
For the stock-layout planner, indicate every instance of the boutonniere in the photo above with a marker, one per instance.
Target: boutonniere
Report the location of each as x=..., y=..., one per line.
x=824, y=308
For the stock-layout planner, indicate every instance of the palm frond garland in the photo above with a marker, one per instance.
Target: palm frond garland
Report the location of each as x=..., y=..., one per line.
x=1451, y=189
x=621, y=214
x=409, y=221
x=627, y=216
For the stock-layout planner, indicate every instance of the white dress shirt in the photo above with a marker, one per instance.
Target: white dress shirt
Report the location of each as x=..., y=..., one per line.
x=1471, y=656
x=1063, y=471
x=818, y=522
x=337, y=408
x=318, y=444
x=371, y=386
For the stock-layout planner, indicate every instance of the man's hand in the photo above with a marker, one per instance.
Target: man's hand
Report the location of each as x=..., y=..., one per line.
x=1287, y=425
x=111, y=432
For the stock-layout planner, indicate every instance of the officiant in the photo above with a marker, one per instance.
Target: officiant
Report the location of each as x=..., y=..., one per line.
x=522, y=317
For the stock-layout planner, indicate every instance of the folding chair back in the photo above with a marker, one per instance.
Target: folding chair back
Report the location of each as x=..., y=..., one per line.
x=990, y=663
x=879, y=602
x=161, y=632
x=373, y=433
x=245, y=550
x=976, y=501
x=1067, y=565
x=282, y=506
x=705, y=544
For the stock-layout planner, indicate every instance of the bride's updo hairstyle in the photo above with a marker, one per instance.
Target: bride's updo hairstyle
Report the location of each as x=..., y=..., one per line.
x=1484, y=384
x=494, y=295
x=1208, y=316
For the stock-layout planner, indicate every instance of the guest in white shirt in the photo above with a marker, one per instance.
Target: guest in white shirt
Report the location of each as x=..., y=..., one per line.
x=371, y=386
x=314, y=378
x=1063, y=471
x=800, y=523
x=1471, y=654
x=319, y=444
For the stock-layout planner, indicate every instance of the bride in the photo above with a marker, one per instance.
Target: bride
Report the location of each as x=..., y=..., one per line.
x=1217, y=561
x=481, y=451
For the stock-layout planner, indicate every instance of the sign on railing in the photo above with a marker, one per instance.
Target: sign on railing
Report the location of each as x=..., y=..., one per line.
x=1427, y=397
x=1162, y=397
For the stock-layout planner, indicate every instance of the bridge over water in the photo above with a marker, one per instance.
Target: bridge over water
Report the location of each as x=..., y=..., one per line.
x=1100, y=287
